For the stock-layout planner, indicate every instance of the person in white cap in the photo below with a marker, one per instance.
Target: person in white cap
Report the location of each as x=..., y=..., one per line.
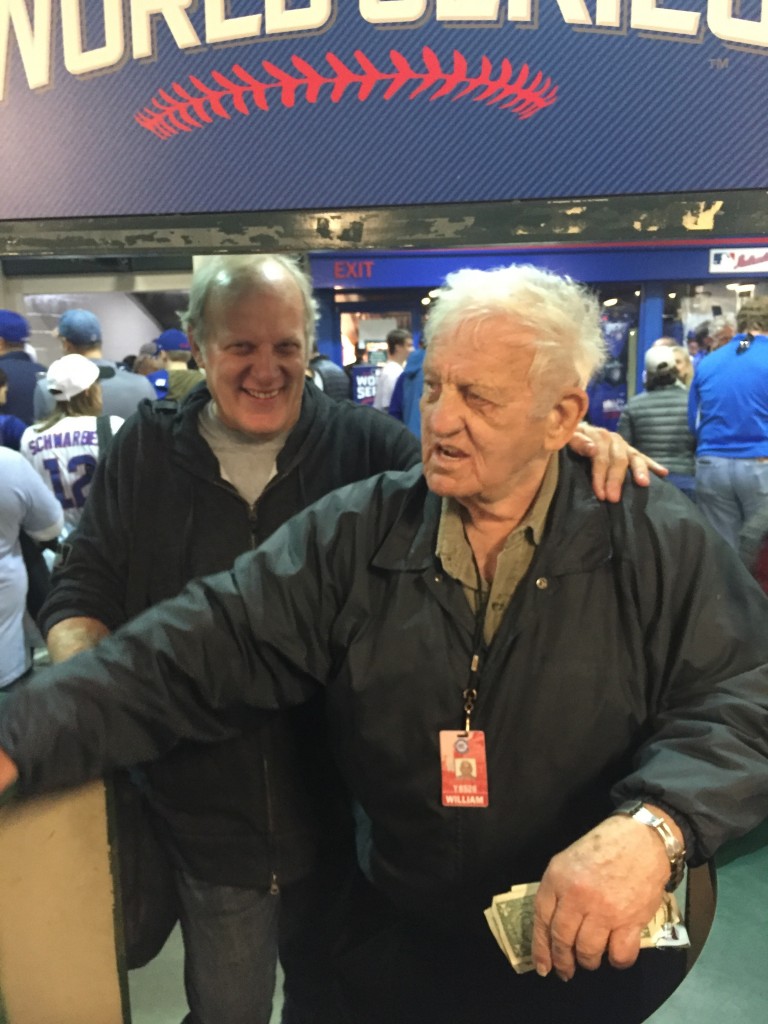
x=656, y=420
x=65, y=448
x=79, y=331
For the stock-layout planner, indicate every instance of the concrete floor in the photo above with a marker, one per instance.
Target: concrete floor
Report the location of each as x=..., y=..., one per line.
x=157, y=990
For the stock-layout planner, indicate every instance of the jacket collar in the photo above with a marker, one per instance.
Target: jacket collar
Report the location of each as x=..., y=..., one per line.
x=410, y=544
x=576, y=537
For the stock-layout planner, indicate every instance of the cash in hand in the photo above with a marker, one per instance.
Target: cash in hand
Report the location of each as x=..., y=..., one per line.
x=510, y=918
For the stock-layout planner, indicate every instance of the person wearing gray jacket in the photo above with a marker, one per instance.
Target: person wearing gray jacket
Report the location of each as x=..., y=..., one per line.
x=80, y=333
x=656, y=420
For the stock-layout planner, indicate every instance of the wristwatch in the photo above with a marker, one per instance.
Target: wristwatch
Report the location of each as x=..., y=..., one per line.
x=675, y=850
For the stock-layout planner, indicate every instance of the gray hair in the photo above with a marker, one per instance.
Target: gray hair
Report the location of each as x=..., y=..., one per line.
x=563, y=315
x=234, y=276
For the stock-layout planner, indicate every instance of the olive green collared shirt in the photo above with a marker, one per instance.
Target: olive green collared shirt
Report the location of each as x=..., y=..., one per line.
x=458, y=560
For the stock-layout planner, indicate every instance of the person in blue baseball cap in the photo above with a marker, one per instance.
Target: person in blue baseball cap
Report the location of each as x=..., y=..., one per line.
x=20, y=368
x=80, y=333
x=181, y=379
x=80, y=329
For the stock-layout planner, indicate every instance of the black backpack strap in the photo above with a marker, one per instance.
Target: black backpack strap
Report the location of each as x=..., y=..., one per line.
x=104, y=435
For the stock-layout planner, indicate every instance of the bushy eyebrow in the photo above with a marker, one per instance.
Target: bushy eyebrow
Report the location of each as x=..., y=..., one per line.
x=485, y=388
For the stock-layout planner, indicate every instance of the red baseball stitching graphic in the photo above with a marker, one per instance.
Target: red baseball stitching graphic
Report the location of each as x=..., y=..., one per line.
x=182, y=111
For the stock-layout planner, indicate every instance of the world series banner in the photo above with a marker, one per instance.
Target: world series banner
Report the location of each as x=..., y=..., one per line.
x=118, y=107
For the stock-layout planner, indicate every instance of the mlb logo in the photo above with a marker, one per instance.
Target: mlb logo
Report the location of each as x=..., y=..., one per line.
x=722, y=261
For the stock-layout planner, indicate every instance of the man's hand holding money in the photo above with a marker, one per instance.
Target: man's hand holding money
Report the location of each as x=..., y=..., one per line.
x=596, y=896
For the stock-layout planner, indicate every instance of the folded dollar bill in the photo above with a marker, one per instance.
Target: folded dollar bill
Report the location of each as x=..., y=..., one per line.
x=510, y=918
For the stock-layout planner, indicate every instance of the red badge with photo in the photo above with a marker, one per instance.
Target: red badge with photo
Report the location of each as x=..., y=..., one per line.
x=464, y=769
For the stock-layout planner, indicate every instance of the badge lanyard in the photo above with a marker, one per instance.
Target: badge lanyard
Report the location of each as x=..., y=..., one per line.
x=463, y=762
x=470, y=694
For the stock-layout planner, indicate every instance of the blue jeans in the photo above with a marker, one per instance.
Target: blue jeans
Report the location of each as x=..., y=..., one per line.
x=230, y=951
x=730, y=491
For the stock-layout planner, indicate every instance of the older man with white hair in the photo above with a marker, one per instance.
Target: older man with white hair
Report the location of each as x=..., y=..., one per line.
x=597, y=672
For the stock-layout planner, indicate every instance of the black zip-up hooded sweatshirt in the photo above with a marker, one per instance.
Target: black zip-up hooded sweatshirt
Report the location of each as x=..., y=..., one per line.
x=248, y=811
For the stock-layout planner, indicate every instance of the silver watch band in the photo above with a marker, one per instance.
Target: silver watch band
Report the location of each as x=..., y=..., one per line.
x=675, y=850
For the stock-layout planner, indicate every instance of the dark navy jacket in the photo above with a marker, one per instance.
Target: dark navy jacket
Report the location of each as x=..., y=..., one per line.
x=632, y=661
x=22, y=373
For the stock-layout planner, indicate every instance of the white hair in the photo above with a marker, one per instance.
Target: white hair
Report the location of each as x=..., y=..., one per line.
x=563, y=316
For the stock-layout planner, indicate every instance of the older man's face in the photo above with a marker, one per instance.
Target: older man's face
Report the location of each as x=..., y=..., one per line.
x=480, y=439
x=255, y=356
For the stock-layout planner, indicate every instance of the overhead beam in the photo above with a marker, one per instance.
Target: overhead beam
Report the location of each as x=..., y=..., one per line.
x=691, y=218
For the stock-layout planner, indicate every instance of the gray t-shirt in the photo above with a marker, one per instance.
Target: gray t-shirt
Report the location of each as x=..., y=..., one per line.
x=247, y=462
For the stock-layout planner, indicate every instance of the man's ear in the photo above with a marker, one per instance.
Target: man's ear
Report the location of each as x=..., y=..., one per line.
x=564, y=417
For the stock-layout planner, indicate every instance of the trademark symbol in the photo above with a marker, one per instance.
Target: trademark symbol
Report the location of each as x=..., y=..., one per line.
x=718, y=63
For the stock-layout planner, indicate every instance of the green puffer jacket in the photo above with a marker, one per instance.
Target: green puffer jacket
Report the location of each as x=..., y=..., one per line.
x=656, y=422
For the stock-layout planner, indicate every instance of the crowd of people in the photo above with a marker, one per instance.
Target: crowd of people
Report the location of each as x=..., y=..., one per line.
x=60, y=420
x=704, y=415
x=330, y=611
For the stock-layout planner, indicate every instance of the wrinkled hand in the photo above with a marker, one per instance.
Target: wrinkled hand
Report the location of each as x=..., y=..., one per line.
x=8, y=771
x=596, y=896
x=611, y=457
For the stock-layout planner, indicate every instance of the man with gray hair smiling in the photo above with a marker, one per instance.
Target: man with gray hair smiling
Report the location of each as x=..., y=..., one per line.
x=504, y=657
